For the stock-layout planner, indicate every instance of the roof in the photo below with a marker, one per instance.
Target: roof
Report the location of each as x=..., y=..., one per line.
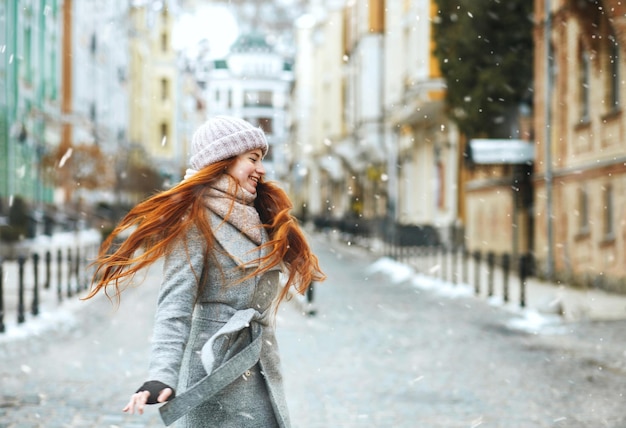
x=251, y=42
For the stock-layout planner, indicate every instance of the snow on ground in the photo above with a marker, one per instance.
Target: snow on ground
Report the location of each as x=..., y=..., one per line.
x=46, y=322
x=526, y=320
x=62, y=318
x=52, y=317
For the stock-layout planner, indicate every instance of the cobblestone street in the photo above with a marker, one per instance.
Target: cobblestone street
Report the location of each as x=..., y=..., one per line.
x=378, y=353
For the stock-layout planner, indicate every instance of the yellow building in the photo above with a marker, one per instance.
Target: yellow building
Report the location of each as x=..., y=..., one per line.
x=580, y=169
x=152, y=93
x=317, y=116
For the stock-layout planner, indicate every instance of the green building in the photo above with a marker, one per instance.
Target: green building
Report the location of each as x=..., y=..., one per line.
x=29, y=107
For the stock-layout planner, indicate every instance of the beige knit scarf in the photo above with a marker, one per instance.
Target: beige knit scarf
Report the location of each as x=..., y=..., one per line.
x=237, y=209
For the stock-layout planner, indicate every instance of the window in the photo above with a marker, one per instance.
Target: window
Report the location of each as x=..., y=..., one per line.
x=164, y=133
x=93, y=112
x=583, y=211
x=612, y=75
x=266, y=125
x=164, y=42
x=28, y=60
x=608, y=212
x=265, y=98
x=258, y=99
x=164, y=89
x=584, y=73
x=93, y=44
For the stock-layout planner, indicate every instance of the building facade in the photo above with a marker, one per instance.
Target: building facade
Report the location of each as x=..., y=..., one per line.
x=321, y=186
x=253, y=82
x=30, y=35
x=153, y=88
x=580, y=169
x=422, y=142
x=378, y=154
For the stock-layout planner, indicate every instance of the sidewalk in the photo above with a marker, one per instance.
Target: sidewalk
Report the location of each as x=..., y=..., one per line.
x=541, y=297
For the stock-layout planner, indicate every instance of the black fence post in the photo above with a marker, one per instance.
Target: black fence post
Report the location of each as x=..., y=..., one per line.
x=35, y=307
x=445, y=262
x=69, y=272
x=441, y=257
x=524, y=265
x=454, y=262
x=419, y=259
x=431, y=259
x=48, y=262
x=465, y=267
x=77, y=270
x=506, y=265
x=21, y=260
x=59, y=275
x=2, y=328
x=477, y=272
x=491, y=262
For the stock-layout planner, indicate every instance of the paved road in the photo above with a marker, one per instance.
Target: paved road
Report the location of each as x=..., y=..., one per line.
x=382, y=354
x=377, y=354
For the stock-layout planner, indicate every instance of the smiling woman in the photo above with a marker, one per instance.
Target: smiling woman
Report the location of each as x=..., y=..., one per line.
x=214, y=23
x=248, y=169
x=225, y=235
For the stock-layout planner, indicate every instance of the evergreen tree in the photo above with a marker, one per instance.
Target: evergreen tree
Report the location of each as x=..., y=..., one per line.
x=485, y=52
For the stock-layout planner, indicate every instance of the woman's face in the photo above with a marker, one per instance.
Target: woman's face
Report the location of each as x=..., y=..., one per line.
x=248, y=169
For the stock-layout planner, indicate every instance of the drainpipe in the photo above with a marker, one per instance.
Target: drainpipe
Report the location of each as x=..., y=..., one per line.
x=66, y=95
x=41, y=90
x=548, y=138
x=12, y=93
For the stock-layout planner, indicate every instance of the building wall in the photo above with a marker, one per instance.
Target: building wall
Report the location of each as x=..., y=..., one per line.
x=318, y=119
x=153, y=79
x=29, y=34
x=583, y=183
x=426, y=141
x=490, y=214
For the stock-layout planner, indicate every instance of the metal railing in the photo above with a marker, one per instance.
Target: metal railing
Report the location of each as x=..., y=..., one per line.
x=480, y=270
x=45, y=272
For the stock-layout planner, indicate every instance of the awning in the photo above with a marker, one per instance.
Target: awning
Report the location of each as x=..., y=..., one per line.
x=501, y=151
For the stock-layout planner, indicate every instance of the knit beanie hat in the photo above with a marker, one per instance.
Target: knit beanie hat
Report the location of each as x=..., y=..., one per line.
x=222, y=137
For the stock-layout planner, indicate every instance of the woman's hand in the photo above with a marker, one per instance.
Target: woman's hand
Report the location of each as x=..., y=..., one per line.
x=151, y=392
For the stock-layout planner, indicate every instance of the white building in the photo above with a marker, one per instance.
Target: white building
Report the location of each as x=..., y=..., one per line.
x=253, y=82
x=323, y=188
x=423, y=143
x=100, y=72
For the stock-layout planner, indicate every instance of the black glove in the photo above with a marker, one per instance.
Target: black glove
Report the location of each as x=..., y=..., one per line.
x=154, y=387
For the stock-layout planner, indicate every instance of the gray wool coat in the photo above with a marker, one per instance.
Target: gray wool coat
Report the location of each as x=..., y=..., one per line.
x=186, y=348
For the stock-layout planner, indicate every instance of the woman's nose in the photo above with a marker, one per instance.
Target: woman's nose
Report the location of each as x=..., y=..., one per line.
x=260, y=168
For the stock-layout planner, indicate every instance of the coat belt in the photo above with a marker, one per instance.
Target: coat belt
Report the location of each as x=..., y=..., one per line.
x=228, y=372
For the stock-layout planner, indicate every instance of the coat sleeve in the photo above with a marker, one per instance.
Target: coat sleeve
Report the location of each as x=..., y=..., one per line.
x=182, y=269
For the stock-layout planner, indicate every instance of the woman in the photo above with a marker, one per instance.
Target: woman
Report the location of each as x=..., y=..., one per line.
x=225, y=235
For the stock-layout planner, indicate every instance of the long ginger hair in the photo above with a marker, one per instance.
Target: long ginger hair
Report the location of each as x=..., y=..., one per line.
x=157, y=222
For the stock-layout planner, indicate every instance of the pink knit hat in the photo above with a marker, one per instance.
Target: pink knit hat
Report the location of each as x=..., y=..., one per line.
x=222, y=137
